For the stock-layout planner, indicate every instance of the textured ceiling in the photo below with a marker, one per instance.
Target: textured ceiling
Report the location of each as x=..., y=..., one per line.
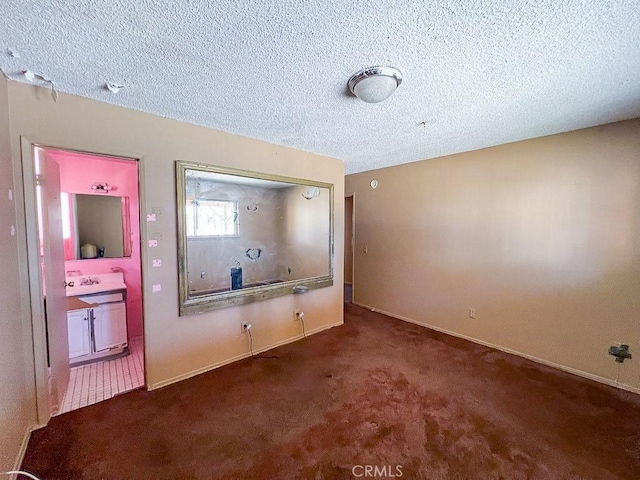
x=476, y=73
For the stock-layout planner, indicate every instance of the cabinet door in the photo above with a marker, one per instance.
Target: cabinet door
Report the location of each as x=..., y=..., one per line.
x=110, y=326
x=78, y=333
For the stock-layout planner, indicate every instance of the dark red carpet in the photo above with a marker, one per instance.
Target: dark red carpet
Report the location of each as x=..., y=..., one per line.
x=376, y=396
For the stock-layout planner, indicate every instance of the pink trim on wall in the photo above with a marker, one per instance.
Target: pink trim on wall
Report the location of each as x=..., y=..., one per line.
x=77, y=172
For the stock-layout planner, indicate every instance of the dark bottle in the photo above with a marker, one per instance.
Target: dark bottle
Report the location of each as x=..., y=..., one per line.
x=236, y=278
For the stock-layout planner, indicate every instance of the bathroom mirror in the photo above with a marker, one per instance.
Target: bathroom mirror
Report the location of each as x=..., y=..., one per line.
x=246, y=236
x=100, y=221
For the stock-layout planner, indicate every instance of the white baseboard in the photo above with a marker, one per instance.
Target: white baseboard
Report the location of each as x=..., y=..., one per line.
x=22, y=451
x=198, y=371
x=542, y=361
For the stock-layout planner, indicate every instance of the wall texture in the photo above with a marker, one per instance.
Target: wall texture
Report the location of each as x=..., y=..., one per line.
x=77, y=172
x=541, y=237
x=176, y=347
x=17, y=401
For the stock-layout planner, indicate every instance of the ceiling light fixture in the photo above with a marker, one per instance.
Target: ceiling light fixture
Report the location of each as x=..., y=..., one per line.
x=375, y=84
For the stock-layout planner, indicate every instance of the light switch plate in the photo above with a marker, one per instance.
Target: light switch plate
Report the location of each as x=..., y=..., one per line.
x=156, y=288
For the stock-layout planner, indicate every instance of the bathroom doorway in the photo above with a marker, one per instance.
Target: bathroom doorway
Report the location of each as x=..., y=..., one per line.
x=349, y=243
x=94, y=324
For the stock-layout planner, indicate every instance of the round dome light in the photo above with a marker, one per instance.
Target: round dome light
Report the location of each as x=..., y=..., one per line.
x=375, y=84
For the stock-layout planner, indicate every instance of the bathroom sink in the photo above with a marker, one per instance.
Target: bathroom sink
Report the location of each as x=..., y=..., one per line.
x=97, y=288
x=94, y=284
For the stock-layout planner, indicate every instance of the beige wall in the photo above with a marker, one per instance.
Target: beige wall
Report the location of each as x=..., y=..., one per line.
x=17, y=401
x=541, y=237
x=179, y=346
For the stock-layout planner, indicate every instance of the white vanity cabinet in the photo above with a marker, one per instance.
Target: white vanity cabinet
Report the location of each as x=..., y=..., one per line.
x=109, y=325
x=100, y=330
x=79, y=333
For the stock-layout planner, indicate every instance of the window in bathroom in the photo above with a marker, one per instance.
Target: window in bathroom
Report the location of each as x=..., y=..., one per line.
x=212, y=218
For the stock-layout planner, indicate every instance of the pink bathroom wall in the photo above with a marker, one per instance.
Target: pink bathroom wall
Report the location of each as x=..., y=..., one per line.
x=79, y=171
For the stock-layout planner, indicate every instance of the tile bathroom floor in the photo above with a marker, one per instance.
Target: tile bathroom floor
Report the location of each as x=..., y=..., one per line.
x=95, y=382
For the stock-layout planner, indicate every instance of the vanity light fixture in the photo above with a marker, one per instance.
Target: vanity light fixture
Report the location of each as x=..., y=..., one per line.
x=375, y=84
x=100, y=187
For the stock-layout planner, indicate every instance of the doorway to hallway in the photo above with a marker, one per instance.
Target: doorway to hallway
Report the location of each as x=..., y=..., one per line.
x=349, y=242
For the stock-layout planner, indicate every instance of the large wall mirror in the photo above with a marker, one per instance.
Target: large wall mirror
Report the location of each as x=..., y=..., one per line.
x=246, y=236
x=95, y=226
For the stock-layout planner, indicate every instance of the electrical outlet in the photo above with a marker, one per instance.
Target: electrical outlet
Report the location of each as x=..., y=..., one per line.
x=296, y=315
x=243, y=327
x=472, y=313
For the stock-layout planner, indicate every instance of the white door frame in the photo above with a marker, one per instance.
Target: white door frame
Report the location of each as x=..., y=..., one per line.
x=38, y=329
x=36, y=303
x=353, y=238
